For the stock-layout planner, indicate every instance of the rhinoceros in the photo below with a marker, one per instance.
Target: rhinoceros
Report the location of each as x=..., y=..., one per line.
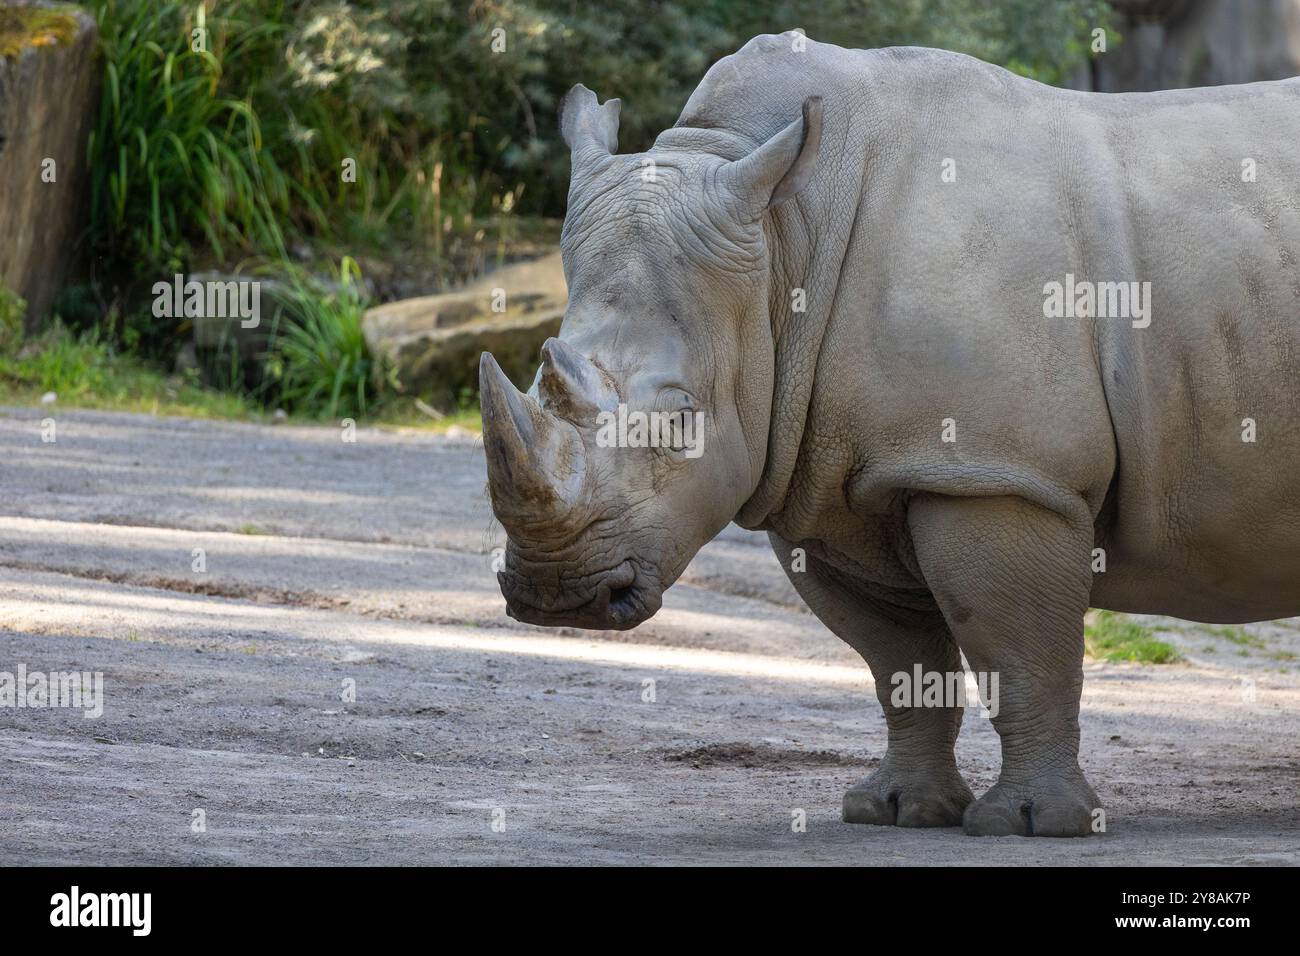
x=977, y=353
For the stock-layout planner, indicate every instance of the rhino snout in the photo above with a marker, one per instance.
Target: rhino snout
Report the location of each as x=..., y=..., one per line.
x=617, y=599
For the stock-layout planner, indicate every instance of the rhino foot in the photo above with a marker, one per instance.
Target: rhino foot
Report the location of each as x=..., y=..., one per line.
x=1049, y=806
x=908, y=799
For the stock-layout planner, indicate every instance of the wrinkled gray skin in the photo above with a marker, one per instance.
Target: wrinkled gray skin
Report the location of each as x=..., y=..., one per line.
x=925, y=303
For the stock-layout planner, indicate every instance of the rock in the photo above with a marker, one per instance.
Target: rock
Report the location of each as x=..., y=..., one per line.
x=49, y=92
x=186, y=360
x=434, y=342
x=226, y=333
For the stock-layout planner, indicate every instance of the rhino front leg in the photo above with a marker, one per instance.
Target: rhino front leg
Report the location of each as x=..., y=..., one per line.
x=1013, y=580
x=917, y=783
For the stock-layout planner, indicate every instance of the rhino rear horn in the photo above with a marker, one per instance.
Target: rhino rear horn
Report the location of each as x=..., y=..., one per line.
x=781, y=167
x=572, y=385
x=536, y=465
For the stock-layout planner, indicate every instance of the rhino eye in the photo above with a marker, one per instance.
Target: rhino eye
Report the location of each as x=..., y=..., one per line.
x=678, y=424
x=675, y=400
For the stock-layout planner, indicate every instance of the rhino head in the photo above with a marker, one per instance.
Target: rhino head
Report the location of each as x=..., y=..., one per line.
x=646, y=428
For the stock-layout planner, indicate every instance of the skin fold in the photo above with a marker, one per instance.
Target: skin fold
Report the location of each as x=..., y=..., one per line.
x=840, y=258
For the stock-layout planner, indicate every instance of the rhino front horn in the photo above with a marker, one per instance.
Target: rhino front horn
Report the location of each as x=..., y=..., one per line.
x=536, y=465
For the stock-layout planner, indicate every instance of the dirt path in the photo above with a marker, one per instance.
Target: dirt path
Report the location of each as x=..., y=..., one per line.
x=331, y=566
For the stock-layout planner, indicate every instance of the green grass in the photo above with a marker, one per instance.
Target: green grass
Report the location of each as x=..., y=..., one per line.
x=403, y=413
x=85, y=372
x=1237, y=635
x=1247, y=641
x=1114, y=637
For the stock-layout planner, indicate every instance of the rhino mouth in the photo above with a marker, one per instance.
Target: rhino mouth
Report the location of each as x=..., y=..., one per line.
x=621, y=598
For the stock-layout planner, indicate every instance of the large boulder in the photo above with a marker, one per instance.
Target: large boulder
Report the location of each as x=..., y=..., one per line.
x=49, y=91
x=434, y=342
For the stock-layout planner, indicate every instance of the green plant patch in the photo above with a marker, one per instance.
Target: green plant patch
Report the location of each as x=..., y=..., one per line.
x=12, y=309
x=1237, y=635
x=320, y=358
x=85, y=372
x=1114, y=637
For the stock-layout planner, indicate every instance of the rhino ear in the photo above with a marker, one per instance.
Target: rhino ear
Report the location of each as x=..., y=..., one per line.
x=589, y=128
x=781, y=167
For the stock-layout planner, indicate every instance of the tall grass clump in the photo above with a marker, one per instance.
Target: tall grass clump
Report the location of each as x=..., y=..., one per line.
x=319, y=358
x=174, y=159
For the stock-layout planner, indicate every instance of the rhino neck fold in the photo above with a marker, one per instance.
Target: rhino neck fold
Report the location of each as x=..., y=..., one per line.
x=743, y=102
x=808, y=239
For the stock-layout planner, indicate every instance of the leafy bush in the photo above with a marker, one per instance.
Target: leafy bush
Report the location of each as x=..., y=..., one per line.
x=494, y=120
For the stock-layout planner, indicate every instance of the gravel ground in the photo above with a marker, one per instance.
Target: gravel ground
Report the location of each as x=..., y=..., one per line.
x=362, y=570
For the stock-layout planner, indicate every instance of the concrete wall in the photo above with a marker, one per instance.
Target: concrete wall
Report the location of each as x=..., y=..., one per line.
x=48, y=97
